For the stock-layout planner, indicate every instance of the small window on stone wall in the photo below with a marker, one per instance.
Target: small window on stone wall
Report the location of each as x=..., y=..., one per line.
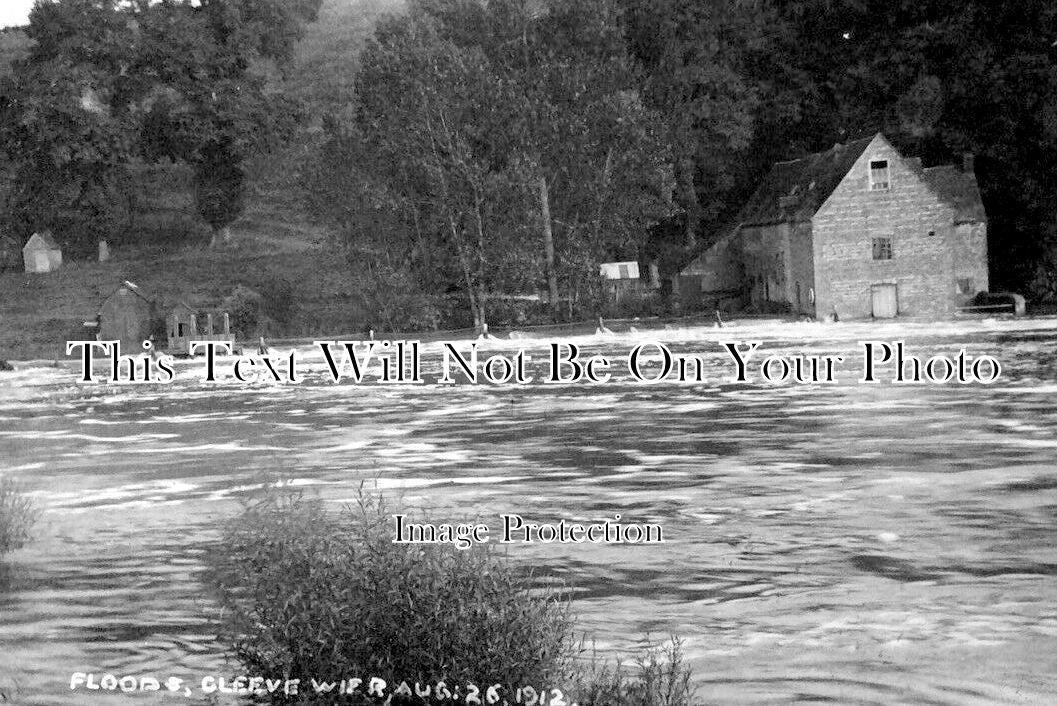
x=965, y=286
x=878, y=174
x=882, y=248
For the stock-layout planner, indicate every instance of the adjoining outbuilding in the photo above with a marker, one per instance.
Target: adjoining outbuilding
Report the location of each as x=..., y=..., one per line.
x=859, y=231
x=714, y=278
x=41, y=253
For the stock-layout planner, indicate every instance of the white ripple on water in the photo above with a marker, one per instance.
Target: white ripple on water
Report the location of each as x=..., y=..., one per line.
x=159, y=488
x=66, y=435
x=192, y=450
x=233, y=491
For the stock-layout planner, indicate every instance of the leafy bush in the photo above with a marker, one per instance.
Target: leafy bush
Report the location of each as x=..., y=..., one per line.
x=311, y=594
x=17, y=515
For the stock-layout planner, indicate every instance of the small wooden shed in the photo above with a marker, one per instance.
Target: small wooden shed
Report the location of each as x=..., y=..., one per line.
x=41, y=253
x=623, y=282
x=127, y=315
x=185, y=325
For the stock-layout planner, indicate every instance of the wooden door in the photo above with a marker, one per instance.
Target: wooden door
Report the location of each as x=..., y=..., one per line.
x=884, y=301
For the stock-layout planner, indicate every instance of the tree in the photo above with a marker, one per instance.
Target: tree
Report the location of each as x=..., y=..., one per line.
x=67, y=144
x=695, y=54
x=516, y=139
x=600, y=155
x=107, y=84
x=424, y=117
x=210, y=100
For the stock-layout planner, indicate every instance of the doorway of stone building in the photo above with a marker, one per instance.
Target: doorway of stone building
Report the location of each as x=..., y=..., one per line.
x=884, y=301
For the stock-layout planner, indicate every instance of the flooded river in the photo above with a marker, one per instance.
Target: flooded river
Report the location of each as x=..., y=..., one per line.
x=844, y=543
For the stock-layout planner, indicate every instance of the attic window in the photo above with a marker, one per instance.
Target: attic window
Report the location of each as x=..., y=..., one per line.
x=878, y=174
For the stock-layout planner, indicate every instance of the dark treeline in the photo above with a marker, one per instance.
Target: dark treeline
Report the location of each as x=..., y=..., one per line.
x=508, y=146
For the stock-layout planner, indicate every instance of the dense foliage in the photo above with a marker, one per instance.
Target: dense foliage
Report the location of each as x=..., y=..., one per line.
x=309, y=593
x=313, y=594
x=106, y=84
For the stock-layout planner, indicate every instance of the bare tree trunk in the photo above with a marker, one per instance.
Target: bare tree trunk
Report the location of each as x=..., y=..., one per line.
x=482, y=295
x=688, y=198
x=475, y=305
x=548, y=245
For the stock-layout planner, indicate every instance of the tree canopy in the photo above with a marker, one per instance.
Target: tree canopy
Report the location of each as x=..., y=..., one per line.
x=106, y=84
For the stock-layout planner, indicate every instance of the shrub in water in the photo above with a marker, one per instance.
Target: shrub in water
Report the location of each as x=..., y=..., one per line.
x=313, y=594
x=17, y=515
x=661, y=678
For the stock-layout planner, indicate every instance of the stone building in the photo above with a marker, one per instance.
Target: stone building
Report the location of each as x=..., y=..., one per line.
x=864, y=232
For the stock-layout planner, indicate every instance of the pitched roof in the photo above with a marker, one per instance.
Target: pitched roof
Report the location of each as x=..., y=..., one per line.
x=707, y=241
x=45, y=239
x=125, y=286
x=799, y=187
x=959, y=189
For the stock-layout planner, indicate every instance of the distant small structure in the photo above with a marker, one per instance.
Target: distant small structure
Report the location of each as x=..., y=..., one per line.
x=127, y=315
x=10, y=253
x=41, y=253
x=186, y=324
x=104, y=251
x=624, y=282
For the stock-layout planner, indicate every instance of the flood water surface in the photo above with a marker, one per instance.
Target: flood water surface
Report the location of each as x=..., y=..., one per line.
x=846, y=543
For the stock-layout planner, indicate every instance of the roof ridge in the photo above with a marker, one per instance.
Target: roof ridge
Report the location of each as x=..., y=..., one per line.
x=792, y=187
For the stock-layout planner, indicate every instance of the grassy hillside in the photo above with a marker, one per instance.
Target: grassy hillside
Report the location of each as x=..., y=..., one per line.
x=324, y=71
x=277, y=246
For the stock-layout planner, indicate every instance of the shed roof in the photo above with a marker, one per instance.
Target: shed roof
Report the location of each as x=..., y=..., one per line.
x=125, y=286
x=800, y=186
x=44, y=238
